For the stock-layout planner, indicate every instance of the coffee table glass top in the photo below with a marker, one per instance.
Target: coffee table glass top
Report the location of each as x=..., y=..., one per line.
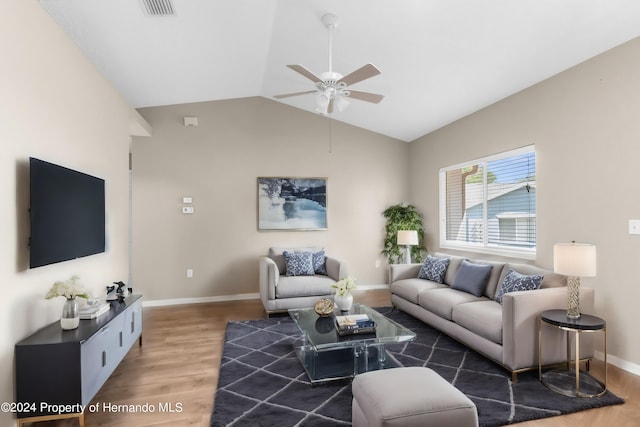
x=326, y=356
x=320, y=331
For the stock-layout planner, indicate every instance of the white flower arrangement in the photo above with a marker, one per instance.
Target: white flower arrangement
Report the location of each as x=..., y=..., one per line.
x=68, y=289
x=343, y=286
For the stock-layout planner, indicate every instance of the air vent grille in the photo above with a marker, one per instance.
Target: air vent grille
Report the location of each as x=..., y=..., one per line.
x=158, y=7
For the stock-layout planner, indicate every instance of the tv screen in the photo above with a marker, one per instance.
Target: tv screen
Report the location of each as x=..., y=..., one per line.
x=67, y=214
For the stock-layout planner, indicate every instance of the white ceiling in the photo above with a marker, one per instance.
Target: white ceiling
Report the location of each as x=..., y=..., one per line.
x=440, y=59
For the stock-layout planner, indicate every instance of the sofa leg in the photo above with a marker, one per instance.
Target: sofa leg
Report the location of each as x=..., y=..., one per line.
x=514, y=377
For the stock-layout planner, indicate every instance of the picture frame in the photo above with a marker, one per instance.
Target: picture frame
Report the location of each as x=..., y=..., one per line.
x=292, y=203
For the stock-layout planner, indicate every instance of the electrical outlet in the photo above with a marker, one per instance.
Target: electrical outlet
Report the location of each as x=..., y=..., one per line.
x=187, y=209
x=634, y=226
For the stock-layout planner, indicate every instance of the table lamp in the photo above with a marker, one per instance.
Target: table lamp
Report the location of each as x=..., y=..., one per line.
x=407, y=238
x=574, y=260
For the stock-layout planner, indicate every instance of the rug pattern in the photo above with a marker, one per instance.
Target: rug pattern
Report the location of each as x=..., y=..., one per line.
x=262, y=383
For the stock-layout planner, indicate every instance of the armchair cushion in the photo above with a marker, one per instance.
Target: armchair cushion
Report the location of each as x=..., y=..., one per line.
x=298, y=263
x=319, y=264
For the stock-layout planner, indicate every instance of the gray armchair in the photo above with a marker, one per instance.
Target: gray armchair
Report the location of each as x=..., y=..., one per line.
x=280, y=291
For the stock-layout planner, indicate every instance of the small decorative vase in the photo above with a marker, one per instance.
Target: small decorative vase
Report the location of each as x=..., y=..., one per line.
x=344, y=302
x=70, y=317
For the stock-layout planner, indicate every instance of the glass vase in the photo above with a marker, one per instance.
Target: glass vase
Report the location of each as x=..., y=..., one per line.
x=344, y=302
x=70, y=318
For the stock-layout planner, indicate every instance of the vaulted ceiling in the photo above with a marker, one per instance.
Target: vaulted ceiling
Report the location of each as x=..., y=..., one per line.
x=440, y=59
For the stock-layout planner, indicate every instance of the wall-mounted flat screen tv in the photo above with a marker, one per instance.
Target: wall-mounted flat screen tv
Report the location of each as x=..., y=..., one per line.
x=67, y=214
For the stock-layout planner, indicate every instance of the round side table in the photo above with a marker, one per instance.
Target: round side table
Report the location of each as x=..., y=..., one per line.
x=561, y=381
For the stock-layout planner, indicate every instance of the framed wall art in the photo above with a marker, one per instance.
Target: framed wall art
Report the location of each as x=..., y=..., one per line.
x=292, y=203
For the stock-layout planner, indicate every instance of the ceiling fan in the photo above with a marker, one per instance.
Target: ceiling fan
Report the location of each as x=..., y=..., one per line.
x=332, y=88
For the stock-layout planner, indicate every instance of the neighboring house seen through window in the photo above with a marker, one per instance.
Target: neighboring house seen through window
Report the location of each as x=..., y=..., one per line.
x=489, y=204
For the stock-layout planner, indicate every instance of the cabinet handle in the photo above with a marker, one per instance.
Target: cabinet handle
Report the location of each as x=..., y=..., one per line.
x=120, y=338
x=104, y=358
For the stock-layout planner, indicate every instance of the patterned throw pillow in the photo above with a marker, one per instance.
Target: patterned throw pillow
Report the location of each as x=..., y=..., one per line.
x=319, y=266
x=298, y=263
x=433, y=269
x=515, y=281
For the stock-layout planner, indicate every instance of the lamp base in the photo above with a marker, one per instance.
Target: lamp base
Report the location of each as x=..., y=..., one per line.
x=407, y=254
x=573, y=297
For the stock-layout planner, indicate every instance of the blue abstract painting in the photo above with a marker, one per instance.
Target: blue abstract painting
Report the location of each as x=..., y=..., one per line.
x=292, y=203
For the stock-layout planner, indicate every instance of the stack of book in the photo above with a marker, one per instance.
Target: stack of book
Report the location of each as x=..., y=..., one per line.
x=97, y=309
x=355, y=324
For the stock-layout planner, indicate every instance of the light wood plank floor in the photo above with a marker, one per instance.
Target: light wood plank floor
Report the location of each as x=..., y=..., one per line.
x=177, y=366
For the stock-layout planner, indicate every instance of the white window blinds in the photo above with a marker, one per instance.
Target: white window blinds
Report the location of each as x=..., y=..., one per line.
x=490, y=204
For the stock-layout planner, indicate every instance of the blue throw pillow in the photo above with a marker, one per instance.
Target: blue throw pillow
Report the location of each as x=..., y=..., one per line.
x=515, y=281
x=319, y=266
x=434, y=269
x=298, y=263
x=472, y=277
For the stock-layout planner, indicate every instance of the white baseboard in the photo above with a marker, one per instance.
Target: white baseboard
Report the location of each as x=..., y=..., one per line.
x=625, y=365
x=225, y=298
x=198, y=300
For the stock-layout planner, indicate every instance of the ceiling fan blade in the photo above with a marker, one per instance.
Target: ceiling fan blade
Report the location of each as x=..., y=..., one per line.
x=286, y=95
x=362, y=73
x=308, y=74
x=365, y=96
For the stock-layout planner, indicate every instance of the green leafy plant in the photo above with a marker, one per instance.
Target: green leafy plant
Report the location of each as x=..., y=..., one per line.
x=402, y=217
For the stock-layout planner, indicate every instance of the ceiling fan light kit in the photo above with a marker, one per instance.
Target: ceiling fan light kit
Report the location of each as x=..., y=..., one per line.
x=331, y=87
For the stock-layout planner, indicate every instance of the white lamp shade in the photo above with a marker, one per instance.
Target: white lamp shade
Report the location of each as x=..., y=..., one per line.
x=574, y=259
x=407, y=237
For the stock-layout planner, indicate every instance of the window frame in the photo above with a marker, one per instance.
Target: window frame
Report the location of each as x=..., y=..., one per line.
x=484, y=247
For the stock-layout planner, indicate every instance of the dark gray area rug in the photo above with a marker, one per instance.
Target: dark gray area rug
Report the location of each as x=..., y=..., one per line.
x=262, y=383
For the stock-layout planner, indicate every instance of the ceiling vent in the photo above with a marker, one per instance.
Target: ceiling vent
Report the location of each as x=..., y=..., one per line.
x=158, y=7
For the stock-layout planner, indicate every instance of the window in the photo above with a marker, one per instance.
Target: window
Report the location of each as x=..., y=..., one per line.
x=489, y=205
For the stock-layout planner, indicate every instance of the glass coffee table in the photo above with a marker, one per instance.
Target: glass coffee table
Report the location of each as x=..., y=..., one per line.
x=327, y=356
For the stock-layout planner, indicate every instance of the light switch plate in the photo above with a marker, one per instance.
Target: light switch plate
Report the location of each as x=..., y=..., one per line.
x=187, y=209
x=634, y=226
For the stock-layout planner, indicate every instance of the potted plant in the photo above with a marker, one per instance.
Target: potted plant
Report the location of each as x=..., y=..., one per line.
x=70, y=289
x=402, y=217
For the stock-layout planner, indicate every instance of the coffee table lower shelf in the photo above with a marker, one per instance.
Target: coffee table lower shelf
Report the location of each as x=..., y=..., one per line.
x=322, y=365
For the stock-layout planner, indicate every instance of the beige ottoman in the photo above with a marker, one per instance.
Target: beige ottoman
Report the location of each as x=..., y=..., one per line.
x=409, y=397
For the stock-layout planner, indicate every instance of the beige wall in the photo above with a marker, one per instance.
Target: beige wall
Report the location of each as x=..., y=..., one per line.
x=53, y=105
x=585, y=124
x=217, y=164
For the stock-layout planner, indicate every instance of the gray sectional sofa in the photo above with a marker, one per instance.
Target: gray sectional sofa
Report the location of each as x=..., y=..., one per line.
x=505, y=332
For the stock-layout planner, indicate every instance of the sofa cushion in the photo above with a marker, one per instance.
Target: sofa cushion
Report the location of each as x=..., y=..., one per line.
x=551, y=279
x=303, y=286
x=434, y=269
x=298, y=263
x=472, y=277
x=318, y=259
x=410, y=288
x=442, y=300
x=454, y=264
x=514, y=281
x=483, y=318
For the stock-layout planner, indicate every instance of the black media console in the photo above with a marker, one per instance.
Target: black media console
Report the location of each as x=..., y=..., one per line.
x=56, y=367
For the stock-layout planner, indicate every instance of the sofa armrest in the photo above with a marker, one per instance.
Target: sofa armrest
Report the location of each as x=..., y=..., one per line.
x=520, y=312
x=403, y=271
x=269, y=276
x=336, y=269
